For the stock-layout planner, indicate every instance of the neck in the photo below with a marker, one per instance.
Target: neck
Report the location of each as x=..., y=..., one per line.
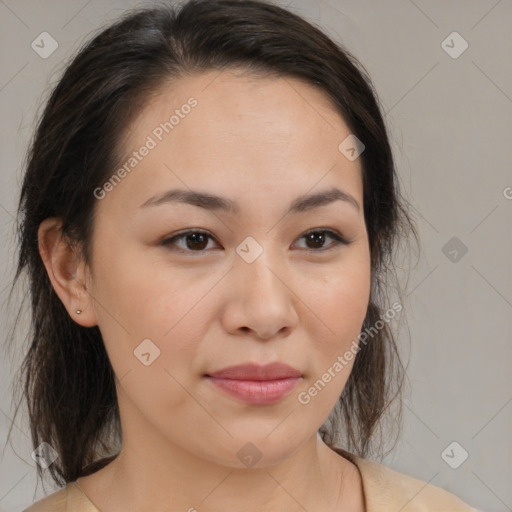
x=152, y=473
x=141, y=479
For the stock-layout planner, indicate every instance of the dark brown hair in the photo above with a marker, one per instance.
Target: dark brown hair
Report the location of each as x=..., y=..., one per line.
x=68, y=382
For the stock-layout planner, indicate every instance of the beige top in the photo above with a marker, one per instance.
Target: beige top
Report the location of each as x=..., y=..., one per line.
x=385, y=490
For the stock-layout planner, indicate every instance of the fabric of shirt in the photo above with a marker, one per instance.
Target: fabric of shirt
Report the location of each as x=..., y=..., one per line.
x=385, y=490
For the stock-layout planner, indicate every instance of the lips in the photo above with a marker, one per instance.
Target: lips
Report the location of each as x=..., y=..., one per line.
x=255, y=372
x=255, y=384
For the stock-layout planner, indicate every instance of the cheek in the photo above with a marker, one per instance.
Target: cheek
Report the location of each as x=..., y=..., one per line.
x=137, y=302
x=133, y=295
x=146, y=321
x=339, y=304
x=340, y=301
x=339, y=297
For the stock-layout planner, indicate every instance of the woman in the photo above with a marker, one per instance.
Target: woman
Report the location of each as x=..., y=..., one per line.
x=208, y=216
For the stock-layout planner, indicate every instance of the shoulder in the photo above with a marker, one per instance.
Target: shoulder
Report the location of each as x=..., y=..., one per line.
x=386, y=489
x=63, y=500
x=56, y=502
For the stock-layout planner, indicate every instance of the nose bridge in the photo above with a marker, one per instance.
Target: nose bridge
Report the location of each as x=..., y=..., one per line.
x=261, y=298
x=258, y=265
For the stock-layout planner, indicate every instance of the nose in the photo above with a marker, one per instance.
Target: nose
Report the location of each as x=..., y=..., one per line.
x=261, y=299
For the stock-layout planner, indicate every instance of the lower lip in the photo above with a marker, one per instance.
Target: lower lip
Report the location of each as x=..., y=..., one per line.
x=257, y=392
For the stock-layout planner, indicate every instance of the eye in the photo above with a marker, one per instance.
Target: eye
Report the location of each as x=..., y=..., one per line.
x=197, y=240
x=317, y=238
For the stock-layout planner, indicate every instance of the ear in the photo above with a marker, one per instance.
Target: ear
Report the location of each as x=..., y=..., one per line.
x=68, y=273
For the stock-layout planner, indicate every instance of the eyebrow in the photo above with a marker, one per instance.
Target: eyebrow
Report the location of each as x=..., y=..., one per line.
x=301, y=204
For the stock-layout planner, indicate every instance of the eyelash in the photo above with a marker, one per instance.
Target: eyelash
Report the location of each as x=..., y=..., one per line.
x=339, y=240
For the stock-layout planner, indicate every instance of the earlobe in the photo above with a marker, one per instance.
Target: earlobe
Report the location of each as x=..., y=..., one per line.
x=66, y=271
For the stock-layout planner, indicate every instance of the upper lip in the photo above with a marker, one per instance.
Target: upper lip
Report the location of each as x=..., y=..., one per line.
x=253, y=371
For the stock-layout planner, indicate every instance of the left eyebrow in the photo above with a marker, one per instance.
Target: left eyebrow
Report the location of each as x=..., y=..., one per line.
x=301, y=204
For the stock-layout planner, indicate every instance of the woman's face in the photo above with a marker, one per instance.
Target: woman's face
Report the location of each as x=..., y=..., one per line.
x=252, y=288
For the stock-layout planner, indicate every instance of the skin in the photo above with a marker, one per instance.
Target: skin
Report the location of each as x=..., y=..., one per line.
x=261, y=142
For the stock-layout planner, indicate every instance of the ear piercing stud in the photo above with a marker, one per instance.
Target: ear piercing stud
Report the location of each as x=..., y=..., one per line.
x=78, y=311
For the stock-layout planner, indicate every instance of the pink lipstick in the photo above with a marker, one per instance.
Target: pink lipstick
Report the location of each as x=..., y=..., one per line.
x=256, y=384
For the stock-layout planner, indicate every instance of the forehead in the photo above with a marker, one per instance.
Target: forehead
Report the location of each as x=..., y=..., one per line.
x=232, y=100
x=222, y=129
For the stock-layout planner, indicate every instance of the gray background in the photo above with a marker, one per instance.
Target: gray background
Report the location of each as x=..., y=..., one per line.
x=450, y=120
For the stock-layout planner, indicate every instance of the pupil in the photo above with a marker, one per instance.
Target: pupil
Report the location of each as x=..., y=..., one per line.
x=320, y=236
x=197, y=238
